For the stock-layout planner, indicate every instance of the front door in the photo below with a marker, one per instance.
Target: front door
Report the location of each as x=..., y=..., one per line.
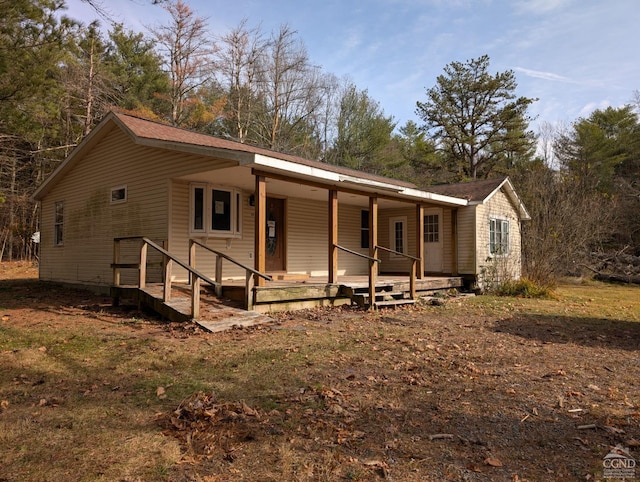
x=433, y=240
x=275, y=249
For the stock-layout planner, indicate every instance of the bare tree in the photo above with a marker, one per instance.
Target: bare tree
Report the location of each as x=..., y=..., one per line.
x=187, y=51
x=291, y=89
x=238, y=66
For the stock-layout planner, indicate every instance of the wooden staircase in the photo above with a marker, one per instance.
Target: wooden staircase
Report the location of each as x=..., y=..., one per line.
x=386, y=295
x=216, y=314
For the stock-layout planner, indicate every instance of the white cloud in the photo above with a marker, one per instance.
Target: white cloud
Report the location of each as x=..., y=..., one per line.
x=540, y=6
x=544, y=75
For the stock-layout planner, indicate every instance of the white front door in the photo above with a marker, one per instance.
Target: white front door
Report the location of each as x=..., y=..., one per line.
x=433, y=240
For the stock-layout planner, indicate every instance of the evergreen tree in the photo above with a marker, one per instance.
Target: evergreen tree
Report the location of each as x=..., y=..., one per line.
x=476, y=119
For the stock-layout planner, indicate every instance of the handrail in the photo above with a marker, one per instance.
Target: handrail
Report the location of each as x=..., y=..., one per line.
x=398, y=253
x=168, y=260
x=173, y=258
x=237, y=263
x=412, y=272
x=347, y=250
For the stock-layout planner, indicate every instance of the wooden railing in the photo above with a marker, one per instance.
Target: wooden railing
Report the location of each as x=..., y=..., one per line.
x=412, y=271
x=372, y=271
x=167, y=263
x=350, y=251
x=168, y=259
x=249, y=272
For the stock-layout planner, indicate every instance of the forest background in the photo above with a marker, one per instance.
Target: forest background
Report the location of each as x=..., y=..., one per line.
x=59, y=77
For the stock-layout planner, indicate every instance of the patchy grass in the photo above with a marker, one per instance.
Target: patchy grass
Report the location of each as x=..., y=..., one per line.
x=485, y=388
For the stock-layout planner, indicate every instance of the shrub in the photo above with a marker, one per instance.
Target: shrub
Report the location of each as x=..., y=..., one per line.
x=524, y=288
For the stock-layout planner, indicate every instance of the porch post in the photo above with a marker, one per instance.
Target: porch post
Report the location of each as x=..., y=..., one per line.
x=454, y=241
x=260, y=228
x=373, y=249
x=333, y=236
x=420, y=240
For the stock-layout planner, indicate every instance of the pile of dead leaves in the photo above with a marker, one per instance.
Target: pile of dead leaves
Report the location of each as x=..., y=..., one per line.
x=208, y=428
x=316, y=421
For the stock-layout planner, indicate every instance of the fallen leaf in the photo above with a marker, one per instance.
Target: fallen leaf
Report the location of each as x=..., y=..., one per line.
x=5, y=318
x=632, y=443
x=4, y=404
x=161, y=392
x=493, y=462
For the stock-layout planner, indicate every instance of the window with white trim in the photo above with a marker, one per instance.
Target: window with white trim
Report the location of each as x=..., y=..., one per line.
x=118, y=194
x=499, y=236
x=398, y=234
x=215, y=211
x=432, y=228
x=58, y=224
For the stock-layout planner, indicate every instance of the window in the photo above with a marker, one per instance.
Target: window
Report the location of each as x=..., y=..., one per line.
x=118, y=194
x=498, y=236
x=364, y=229
x=431, y=228
x=398, y=234
x=215, y=211
x=58, y=224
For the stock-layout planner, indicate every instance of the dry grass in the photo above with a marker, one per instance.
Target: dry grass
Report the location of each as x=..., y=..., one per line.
x=90, y=392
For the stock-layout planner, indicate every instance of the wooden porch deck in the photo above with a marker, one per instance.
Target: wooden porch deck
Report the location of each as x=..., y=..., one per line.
x=294, y=293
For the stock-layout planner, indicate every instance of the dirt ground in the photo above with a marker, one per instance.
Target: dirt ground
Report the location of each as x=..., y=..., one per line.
x=479, y=389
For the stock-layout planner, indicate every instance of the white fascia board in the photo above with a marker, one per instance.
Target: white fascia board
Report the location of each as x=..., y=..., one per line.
x=402, y=192
x=433, y=197
x=295, y=168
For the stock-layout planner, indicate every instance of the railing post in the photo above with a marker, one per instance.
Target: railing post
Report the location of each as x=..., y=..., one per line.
x=116, y=261
x=218, y=278
x=412, y=279
x=168, y=263
x=195, y=297
x=192, y=259
x=249, y=294
x=142, y=280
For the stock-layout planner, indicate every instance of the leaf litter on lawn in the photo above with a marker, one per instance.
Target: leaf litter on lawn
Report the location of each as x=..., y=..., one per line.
x=486, y=389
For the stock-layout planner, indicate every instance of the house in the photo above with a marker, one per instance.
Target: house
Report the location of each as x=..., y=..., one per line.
x=259, y=219
x=489, y=230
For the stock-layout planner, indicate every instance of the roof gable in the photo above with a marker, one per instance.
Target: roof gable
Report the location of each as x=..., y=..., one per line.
x=479, y=192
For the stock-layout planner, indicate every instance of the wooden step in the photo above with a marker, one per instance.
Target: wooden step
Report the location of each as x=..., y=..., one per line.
x=229, y=318
x=406, y=301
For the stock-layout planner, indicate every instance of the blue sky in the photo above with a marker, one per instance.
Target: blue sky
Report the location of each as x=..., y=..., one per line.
x=573, y=55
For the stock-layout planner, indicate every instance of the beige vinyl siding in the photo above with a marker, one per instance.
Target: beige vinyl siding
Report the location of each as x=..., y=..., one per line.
x=307, y=238
x=393, y=263
x=466, y=240
x=349, y=219
x=447, y=238
x=396, y=264
x=240, y=249
x=499, y=207
x=91, y=221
